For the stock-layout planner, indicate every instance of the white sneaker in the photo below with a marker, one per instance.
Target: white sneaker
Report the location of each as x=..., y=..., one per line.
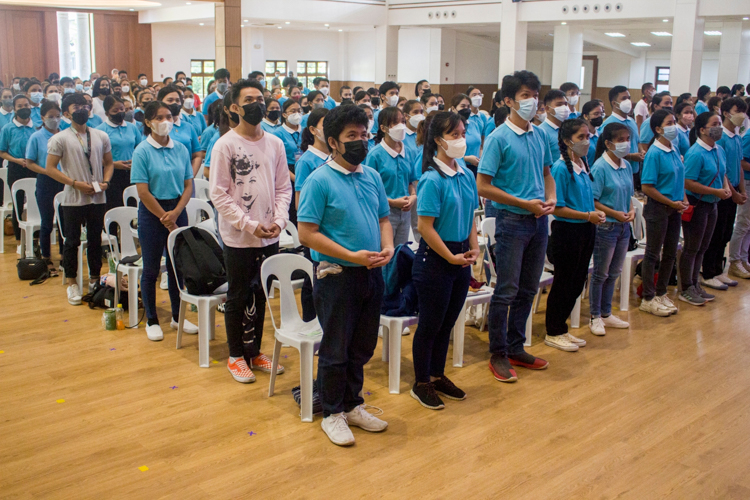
x=18, y=250
x=655, y=307
x=726, y=280
x=365, y=420
x=667, y=302
x=714, y=283
x=153, y=332
x=597, y=327
x=406, y=332
x=164, y=284
x=187, y=327
x=613, y=321
x=560, y=342
x=574, y=340
x=74, y=295
x=337, y=429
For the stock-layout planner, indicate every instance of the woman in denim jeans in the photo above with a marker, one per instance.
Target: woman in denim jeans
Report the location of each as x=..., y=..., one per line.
x=613, y=190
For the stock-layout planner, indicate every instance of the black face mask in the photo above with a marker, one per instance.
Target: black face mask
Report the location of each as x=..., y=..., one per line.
x=274, y=115
x=254, y=112
x=117, y=118
x=103, y=91
x=175, y=109
x=355, y=152
x=81, y=116
x=441, y=107
x=234, y=117
x=305, y=109
x=597, y=122
x=344, y=102
x=375, y=101
x=668, y=108
x=465, y=113
x=138, y=116
x=23, y=113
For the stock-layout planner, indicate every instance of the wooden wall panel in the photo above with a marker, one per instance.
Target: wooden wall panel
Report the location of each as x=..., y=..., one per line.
x=23, y=43
x=122, y=43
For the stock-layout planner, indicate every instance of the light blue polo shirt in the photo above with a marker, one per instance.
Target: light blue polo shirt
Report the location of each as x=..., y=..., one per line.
x=209, y=149
x=185, y=133
x=14, y=137
x=375, y=113
x=36, y=116
x=700, y=107
x=705, y=165
x=450, y=198
x=410, y=141
x=573, y=115
x=94, y=121
x=347, y=207
x=268, y=126
x=746, y=152
x=634, y=133
x=6, y=118
x=591, y=155
x=36, y=149
x=292, y=140
x=663, y=169
x=207, y=136
x=124, y=139
x=197, y=120
x=209, y=100
x=309, y=161
x=329, y=103
x=396, y=170
x=683, y=140
x=573, y=191
x=552, y=134
x=164, y=169
x=474, y=134
x=417, y=163
x=489, y=126
x=732, y=145
x=613, y=184
x=646, y=134
x=515, y=159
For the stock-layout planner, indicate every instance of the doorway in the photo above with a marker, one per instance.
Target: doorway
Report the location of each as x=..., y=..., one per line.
x=589, y=67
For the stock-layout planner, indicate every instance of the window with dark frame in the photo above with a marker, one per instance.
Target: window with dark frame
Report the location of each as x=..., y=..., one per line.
x=202, y=72
x=662, y=79
x=271, y=68
x=307, y=71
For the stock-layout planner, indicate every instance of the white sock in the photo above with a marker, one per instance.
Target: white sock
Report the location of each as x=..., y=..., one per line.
x=232, y=360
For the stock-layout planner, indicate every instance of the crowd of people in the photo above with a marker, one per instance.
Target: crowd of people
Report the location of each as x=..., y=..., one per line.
x=367, y=173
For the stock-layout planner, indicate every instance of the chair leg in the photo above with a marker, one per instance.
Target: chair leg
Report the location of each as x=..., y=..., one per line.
x=625, y=279
x=132, y=297
x=537, y=300
x=394, y=353
x=527, y=343
x=276, y=355
x=2, y=240
x=459, y=330
x=212, y=320
x=204, y=332
x=575, y=316
x=23, y=243
x=386, y=337
x=306, y=381
x=79, y=276
x=30, y=243
x=180, y=321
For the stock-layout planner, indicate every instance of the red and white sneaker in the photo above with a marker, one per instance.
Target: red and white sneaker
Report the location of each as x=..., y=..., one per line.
x=240, y=371
x=263, y=363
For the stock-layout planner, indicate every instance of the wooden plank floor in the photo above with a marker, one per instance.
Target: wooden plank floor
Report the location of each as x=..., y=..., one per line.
x=659, y=411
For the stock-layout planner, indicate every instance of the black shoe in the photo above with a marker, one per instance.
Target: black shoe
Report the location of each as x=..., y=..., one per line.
x=501, y=370
x=444, y=386
x=316, y=406
x=427, y=397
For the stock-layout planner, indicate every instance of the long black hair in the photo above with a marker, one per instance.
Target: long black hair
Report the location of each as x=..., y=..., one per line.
x=656, y=120
x=700, y=122
x=308, y=139
x=657, y=99
x=567, y=129
x=150, y=112
x=440, y=122
x=608, y=134
x=387, y=117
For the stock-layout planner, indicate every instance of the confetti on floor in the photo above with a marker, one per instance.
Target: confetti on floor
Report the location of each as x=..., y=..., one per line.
x=143, y=468
x=60, y=401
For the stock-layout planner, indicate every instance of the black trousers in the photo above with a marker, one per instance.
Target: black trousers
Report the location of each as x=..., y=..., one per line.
x=306, y=296
x=571, y=246
x=245, y=311
x=92, y=216
x=713, y=259
x=17, y=172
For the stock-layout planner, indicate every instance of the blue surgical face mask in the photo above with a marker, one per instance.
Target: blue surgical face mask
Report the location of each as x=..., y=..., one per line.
x=622, y=149
x=68, y=90
x=36, y=97
x=79, y=87
x=527, y=108
x=670, y=132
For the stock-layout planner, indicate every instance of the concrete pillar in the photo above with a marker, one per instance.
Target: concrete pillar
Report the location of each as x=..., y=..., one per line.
x=447, y=60
x=729, y=54
x=341, y=72
x=638, y=72
x=687, y=48
x=744, y=66
x=512, y=41
x=386, y=54
x=227, y=18
x=567, y=55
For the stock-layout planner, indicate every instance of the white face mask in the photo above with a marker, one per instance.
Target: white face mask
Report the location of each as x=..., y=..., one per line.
x=541, y=117
x=54, y=98
x=370, y=124
x=16, y=86
x=415, y=120
x=456, y=147
x=527, y=108
x=162, y=128
x=324, y=91
x=430, y=109
x=737, y=119
x=125, y=89
x=294, y=118
x=476, y=101
x=320, y=135
x=144, y=82
x=562, y=112
x=189, y=103
x=573, y=100
x=626, y=106
x=392, y=100
x=52, y=123
x=397, y=132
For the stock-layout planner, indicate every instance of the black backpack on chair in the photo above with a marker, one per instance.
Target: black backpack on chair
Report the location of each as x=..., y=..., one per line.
x=200, y=261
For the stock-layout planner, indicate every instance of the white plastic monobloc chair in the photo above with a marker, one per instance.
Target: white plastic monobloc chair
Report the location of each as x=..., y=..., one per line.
x=393, y=329
x=289, y=239
x=632, y=258
x=130, y=193
x=123, y=217
x=488, y=230
x=6, y=208
x=202, y=189
x=33, y=220
x=291, y=330
x=481, y=297
x=195, y=207
x=206, y=305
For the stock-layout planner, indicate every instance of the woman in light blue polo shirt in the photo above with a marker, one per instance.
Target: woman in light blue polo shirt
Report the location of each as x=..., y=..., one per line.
x=461, y=104
x=6, y=107
x=413, y=114
x=706, y=183
x=46, y=187
x=370, y=124
x=35, y=94
x=661, y=100
x=394, y=163
x=663, y=181
x=290, y=134
x=181, y=132
x=272, y=120
x=571, y=243
x=163, y=174
x=593, y=113
x=700, y=104
x=613, y=191
x=124, y=138
x=190, y=115
x=685, y=118
x=448, y=248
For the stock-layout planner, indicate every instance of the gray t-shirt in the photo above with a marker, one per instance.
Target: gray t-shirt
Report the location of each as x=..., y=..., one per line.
x=71, y=146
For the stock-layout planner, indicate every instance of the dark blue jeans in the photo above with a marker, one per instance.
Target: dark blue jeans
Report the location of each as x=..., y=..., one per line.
x=442, y=289
x=153, y=238
x=46, y=189
x=610, y=248
x=348, y=307
x=521, y=242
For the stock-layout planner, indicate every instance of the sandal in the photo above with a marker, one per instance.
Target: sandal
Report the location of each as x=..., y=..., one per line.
x=51, y=268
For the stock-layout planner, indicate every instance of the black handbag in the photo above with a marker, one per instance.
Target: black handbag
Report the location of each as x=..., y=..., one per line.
x=32, y=269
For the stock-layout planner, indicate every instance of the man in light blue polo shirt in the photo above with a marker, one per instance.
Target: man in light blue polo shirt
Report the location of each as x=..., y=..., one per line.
x=221, y=77
x=323, y=86
x=343, y=219
x=557, y=112
x=514, y=173
x=619, y=99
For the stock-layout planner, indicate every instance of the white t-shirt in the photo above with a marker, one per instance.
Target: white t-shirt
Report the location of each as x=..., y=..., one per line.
x=73, y=162
x=97, y=108
x=641, y=109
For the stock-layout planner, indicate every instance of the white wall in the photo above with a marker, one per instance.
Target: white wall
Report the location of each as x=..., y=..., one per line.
x=539, y=62
x=296, y=45
x=177, y=44
x=362, y=56
x=415, y=53
x=477, y=59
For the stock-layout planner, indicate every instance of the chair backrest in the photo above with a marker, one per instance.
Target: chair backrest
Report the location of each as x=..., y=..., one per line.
x=7, y=199
x=28, y=188
x=201, y=189
x=292, y=230
x=194, y=208
x=282, y=266
x=123, y=217
x=639, y=223
x=488, y=231
x=58, y=213
x=170, y=250
x=130, y=193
